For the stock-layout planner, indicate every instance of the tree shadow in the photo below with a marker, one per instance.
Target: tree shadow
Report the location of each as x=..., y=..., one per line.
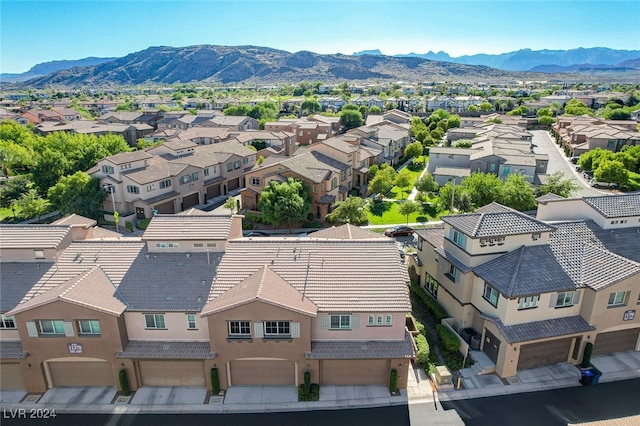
x=429, y=210
x=379, y=209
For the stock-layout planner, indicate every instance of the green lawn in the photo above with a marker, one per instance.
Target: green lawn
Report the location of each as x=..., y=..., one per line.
x=6, y=215
x=397, y=192
x=386, y=212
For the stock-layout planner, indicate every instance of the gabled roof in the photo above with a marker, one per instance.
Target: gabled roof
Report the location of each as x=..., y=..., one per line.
x=188, y=227
x=92, y=290
x=76, y=220
x=17, y=279
x=128, y=157
x=496, y=223
x=32, y=236
x=336, y=275
x=345, y=232
x=549, y=197
x=263, y=286
x=544, y=329
x=612, y=206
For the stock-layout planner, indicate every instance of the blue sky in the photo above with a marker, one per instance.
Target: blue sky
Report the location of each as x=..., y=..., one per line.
x=32, y=32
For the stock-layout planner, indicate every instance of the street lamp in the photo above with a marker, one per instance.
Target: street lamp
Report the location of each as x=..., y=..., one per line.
x=110, y=189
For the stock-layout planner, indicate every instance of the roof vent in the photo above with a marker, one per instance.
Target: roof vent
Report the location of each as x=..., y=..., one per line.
x=147, y=256
x=188, y=255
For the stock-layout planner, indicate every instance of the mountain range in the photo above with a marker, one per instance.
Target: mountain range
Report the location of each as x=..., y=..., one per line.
x=534, y=60
x=263, y=65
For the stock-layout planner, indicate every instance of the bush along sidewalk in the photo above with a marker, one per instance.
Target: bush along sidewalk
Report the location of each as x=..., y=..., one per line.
x=308, y=391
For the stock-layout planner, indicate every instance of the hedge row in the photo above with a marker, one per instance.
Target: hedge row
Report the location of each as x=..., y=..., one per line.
x=438, y=312
x=423, y=351
x=448, y=339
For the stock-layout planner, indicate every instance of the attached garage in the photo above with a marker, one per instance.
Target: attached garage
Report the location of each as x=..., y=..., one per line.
x=165, y=208
x=190, y=200
x=544, y=353
x=262, y=372
x=354, y=372
x=10, y=376
x=616, y=341
x=213, y=191
x=233, y=183
x=172, y=373
x=76, y=374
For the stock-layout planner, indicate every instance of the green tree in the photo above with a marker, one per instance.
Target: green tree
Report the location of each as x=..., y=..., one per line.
x=351, y=118
x=231, y=204
x=51, y=166
x=611, y=171
x=558, y=184
x=517, y=193
x=31, y=205
x=284, y=202
x=426, y=183
x=351, y=210
x=310, y=106
x=383, y=180
x=402, y=180
x=546, y=120
x=463, y=143
x=78, y=193
x=617, y=114
x=483, y=188
x=13, y=189
x=375, y=110
x=485, y=106
x=407, y=208
x=453, y=121
x=413, y=150
x=575, y=107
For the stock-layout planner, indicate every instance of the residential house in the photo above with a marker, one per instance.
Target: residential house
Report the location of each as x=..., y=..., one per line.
x=581, y=134
x=537, y=290
x=232, y=122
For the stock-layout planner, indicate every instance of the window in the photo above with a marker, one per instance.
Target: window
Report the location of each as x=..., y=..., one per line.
x=51, y=327
x=452, y=273
x=334, y=183
x=527, y=302
x=236, y=164
x=194, y=176
x=165, y=183
x=458, y=238
x=343, y=175
x=379, y=320
x=155, y=321
x=617, y=299
x=388, y=320
x=174, y=245
x=209, y=245
x=185, y=179
x=206, y=172
x=132, y=189
x=229, y=167
x=490, y=294
x=7, y=322
x=431, y=285
x=340, y=322
x=565, y=299
x=198, y=245
x=276, y=328
x=239, y=329
x=89, y=326
x=191, y=322
x=107, y=169
x=161, y=245
x=151, y=187
x=371, y=320
x=535, y=236
x=39, y=254
x=255, y=181
x=245, y=160
x=314, y=188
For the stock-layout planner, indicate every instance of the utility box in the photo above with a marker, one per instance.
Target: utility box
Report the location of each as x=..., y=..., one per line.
x=443, y=376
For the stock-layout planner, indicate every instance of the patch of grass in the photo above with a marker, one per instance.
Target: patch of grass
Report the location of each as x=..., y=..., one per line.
x=386, y=212
x=143, y=223
x=6, y=215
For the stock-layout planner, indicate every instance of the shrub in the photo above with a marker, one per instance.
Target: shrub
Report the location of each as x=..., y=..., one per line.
x=313, y=395
x=423, y=350
x=307, y=382
x=124, y=382
x=393, y=381
x=215, y=381
x=448, y=339
x=129, y=226
x=434, y=307
x=143, y=223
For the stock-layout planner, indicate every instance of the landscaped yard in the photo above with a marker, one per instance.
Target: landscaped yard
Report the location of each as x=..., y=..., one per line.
x=402, y=193
x=386, y=212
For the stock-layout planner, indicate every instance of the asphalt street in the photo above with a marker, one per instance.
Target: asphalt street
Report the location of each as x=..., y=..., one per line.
x=573, y=405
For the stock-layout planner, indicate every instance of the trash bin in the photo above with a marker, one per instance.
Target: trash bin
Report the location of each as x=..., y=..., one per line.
x=587, y=377
x=475, y=342
x=596, y=376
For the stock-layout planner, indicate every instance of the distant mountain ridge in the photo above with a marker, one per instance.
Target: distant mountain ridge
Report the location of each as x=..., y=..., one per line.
x=225, y=64
x=53, y=66
x=531, y=60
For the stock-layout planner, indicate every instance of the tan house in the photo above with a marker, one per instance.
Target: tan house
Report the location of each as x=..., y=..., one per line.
x=581, y=134
x=183, y=299
x=538, y=289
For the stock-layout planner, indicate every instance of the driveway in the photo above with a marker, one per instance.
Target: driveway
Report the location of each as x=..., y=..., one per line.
x=86, y=395
x=148, y=395
x=559, y=162
x=261, y=394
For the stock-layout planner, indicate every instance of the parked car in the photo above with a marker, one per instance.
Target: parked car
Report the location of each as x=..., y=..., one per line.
x=399, y=231
x=574, y=160
x=610, y=185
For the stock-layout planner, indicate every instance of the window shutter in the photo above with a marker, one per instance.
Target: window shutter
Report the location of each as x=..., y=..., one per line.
x=258, y=330
x=32, y=329
x=576, y=298
x=295, y=329
x=68, y=329
x=326, y=321
x=554, y=300
x=355, y=321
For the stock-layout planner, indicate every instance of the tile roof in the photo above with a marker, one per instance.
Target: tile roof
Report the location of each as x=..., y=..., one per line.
x=166, y=350
x=543, y=329
x=612, y=206
x=525, y=271
x=351, y=275
x=549, y=197
x=12, y=350
x=496, y=223
x=452, y=171
x=345, y=232
x=362, y=349
x=308, y=166
x=102, y=233
x=76, y=220
x=92, y=290
x=169, y=281
x=434, y=236
x=128, y=157
x=264, y=286
x=188, y=227
x=17, y=278
x=32, y=236
x=593, y=256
